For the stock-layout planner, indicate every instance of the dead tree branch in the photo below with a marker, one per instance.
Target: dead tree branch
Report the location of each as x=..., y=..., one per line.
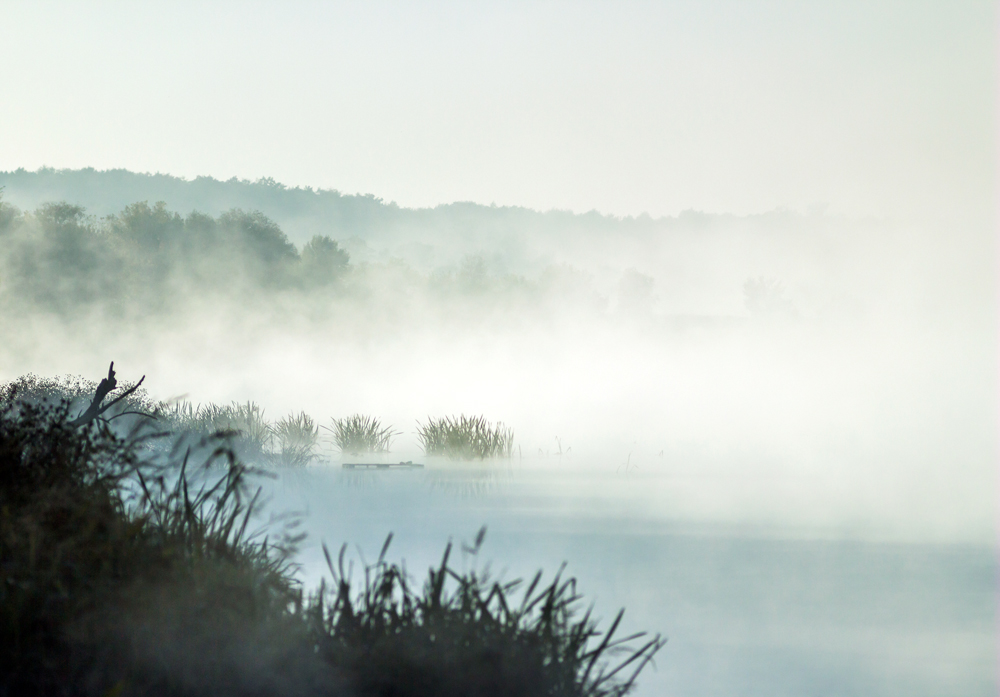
x=107, y=385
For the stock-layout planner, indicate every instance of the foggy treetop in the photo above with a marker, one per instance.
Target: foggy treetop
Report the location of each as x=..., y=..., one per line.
x=147, y=259
x=127, y=243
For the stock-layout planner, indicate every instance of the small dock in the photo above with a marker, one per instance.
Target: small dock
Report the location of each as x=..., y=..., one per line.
x=381, y=465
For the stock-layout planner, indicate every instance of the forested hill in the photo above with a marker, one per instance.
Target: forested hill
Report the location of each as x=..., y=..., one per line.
x=694, y=257
x=301, y=212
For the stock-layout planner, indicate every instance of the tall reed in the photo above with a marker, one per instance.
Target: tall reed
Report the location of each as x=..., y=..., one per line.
x=359, y=434
x=244, y=425
x=465, y=437
x=465, y=633
x=297, y=435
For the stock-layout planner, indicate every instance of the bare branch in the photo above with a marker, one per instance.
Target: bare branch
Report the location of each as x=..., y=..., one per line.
x=107, y=385
x=93, y=411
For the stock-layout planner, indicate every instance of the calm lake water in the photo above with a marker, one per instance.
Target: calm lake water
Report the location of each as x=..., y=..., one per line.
x=749, y=606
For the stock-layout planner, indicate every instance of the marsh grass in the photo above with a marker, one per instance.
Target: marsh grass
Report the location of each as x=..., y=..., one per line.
x=359, y=435
x=243, y=425
x=465, y=437
x=297, y=435
x=468, y=634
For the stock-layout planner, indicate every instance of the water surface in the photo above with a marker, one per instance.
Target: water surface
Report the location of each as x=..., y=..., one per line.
x=751, y=604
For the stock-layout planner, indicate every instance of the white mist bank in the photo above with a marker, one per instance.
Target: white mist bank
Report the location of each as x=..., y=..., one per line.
x=859, y=431
x=850, y=392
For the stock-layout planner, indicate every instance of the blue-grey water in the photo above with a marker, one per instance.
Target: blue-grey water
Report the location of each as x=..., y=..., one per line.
x=770, y=609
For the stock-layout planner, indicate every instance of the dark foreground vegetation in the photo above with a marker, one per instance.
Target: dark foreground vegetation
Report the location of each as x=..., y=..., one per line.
x=130, y=568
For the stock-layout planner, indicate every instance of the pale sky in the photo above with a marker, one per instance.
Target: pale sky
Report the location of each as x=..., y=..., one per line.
x=884, y=108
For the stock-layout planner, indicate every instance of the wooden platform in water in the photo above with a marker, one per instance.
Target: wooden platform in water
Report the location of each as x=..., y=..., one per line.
x=381, y=465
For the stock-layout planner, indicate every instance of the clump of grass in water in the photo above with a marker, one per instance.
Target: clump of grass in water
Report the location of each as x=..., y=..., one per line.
x=250, y=432
x=465, y=438
x=296, y=435
x=359, y=434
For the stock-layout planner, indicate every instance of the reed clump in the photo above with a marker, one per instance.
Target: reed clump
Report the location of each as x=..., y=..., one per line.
x=465, y=437
x=360, y=434
x=244, y=424
x=296, y=435
x=467, y=634
x=289, y=442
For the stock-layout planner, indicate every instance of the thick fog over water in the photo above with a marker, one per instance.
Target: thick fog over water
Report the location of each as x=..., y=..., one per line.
x=813, y=372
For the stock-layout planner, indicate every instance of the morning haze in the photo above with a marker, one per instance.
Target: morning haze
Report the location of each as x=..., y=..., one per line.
x=721, y=277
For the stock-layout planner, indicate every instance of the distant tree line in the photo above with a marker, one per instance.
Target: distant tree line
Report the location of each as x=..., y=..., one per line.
x=58, y=258
x=147, y=259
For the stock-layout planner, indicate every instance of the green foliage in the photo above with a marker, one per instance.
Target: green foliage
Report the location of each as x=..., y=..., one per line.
x=323, y=261
x=258, y=237
x=465, y=437
x=8, y=215
x=59, y=259
x=147, y=261
x=77, y=392
x=360, y=434
x=297, y=435
x=62, y=217
x=151, y=229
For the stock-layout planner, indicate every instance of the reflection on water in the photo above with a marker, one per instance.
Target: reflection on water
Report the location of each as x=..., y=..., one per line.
x=748, y=609
x=475, y=480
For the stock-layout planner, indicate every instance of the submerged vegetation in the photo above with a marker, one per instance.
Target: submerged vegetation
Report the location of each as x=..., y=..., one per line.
x=465, y=437
x=130, y=569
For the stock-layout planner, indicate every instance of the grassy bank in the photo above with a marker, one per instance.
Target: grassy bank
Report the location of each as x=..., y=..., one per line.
x=131, y=568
